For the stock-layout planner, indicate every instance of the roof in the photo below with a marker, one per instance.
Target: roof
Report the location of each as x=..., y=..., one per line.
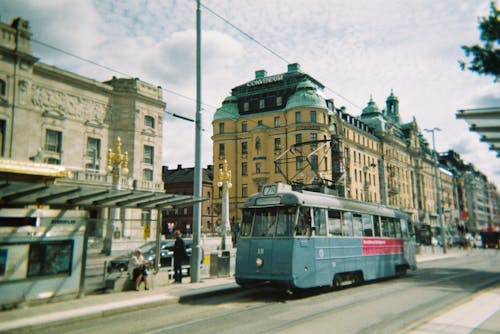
x=185, y=175
x=14, y=194
x=486, y=122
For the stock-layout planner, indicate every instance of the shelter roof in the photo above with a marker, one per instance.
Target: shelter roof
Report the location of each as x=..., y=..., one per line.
x=486, y=122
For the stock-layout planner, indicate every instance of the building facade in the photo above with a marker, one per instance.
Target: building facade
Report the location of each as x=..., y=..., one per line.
x=52, y=116
x=181, y=181
x=281, y=128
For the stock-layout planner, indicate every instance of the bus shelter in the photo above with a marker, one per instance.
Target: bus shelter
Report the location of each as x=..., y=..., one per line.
x=43, y=238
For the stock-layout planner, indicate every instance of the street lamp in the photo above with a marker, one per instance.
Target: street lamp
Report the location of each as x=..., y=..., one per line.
x=225, y=183
x=439, y=208
x=117, y=166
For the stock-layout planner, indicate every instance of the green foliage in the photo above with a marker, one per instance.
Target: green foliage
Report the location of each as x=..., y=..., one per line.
x=486, y=57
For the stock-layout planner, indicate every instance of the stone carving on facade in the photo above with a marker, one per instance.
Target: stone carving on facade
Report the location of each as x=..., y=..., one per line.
x=73, y=106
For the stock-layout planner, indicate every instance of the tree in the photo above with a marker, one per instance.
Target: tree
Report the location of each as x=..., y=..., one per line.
x=486, y=57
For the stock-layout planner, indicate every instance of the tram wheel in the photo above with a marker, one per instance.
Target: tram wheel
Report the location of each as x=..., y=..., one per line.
x=337, y=282
x=357, y=278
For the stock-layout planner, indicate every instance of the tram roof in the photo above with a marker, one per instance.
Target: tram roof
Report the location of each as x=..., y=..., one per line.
x=316, y=199
x=15, y=194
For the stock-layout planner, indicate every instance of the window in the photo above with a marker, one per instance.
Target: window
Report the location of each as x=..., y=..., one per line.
x=244, y=168
x=149, y=154
x=367, y=225
x=260, y=123
x=314, y=140
x=313, y=116
x=149, y=122
x=277, y=167
x=314, y=162
x=246, y=106
x=147, y=174
x=319, y=221
x=222, y=150
x=262, y=103
x=299, y=163
x=279, y=100
x=50, y=258
x=297, y=117
x=244, y=147
x=221, y=128
x=244, y=127
x=93, y=148
x=244, y=190
x=258, y=168
x=277, y=144
x=276, y=122
x=298, y=139
x=53, y=141
x=334, y=223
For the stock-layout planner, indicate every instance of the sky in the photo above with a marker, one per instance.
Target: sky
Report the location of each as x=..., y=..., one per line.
x=356, y=49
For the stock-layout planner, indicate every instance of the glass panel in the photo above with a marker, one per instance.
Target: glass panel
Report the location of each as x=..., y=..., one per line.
x=334, y=223
x=246, y=222
x=320, y=221
x=357, y=226
x=286, y=218
x=367, y=225
x=304, y=222
x=347, y=224
x=264, y=222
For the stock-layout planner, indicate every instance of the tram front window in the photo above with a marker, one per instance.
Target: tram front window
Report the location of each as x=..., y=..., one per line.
x=268, y=222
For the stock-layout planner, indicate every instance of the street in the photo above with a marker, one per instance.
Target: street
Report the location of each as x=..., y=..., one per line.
x=387, y=306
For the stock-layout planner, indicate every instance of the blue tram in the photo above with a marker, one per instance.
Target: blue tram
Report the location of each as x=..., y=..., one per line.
x=301, y=239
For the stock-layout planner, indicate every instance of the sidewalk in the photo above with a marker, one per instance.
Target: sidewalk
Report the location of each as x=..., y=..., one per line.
x=100, y=305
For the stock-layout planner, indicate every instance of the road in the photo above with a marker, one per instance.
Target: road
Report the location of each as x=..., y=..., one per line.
x=387, y=306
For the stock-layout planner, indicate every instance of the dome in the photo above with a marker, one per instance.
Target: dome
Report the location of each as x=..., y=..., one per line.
x=229, y=109
x=306, y=95
x=371, y=109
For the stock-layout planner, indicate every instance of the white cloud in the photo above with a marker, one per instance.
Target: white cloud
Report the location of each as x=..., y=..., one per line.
x=356, y=49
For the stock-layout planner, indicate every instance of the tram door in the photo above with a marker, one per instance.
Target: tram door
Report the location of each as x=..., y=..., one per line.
x=409, y=244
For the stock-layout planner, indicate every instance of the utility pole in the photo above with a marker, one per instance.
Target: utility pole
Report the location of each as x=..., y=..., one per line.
x=117, y=166
x=196, y=252
x=439, y=207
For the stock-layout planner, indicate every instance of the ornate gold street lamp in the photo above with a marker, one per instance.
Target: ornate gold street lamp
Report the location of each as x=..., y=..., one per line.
x=225, y=183
x=117, y=166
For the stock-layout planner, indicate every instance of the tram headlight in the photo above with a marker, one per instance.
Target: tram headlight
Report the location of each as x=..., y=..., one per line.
x=259, y=262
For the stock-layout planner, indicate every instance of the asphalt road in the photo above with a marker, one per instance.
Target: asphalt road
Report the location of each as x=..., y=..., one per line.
x=387, y=306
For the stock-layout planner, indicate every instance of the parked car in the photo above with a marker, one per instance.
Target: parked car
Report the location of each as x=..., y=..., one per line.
x=148, y=250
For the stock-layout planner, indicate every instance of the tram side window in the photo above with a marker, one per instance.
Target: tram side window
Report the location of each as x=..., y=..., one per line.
x=334, y=222
x=376, y=227
x=319, y=221
x=405, y=228
x=246, y=223
x=50, y=258
x=264, y=222
x=285, y=222
x=388, y=227
x=304, y=223
x=367, y=225
x=357, y=225
x=397, y=228
x=347, y=224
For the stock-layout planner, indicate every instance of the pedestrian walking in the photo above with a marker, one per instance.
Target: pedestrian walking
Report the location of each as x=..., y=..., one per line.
x=179, y=256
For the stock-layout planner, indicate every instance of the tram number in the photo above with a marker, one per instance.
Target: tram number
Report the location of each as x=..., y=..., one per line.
x=260, y=251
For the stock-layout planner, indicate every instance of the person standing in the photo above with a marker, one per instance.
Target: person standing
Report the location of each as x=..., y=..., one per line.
x=179, y=256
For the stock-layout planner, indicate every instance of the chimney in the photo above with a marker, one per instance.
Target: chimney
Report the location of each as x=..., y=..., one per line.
x=260, y=74
x=179, y=166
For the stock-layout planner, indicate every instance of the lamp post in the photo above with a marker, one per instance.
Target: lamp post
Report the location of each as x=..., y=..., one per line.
x=439, y=207
x=225, y=183
x=117, y=166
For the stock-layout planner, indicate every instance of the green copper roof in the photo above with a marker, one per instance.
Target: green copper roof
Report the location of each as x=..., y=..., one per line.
x=371, y=109
x=229, y=109
x=306, y=95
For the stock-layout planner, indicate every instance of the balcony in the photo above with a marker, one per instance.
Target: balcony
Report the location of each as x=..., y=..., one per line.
x=104, y=180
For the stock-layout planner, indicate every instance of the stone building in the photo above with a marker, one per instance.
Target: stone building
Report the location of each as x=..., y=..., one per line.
x=281, y=128
x=53, y=116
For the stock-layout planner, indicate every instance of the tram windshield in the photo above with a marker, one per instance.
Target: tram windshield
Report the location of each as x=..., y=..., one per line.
x=268, y=222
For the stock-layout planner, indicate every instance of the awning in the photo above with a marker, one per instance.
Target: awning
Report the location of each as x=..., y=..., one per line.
x=486, y=122
x=15, y=194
